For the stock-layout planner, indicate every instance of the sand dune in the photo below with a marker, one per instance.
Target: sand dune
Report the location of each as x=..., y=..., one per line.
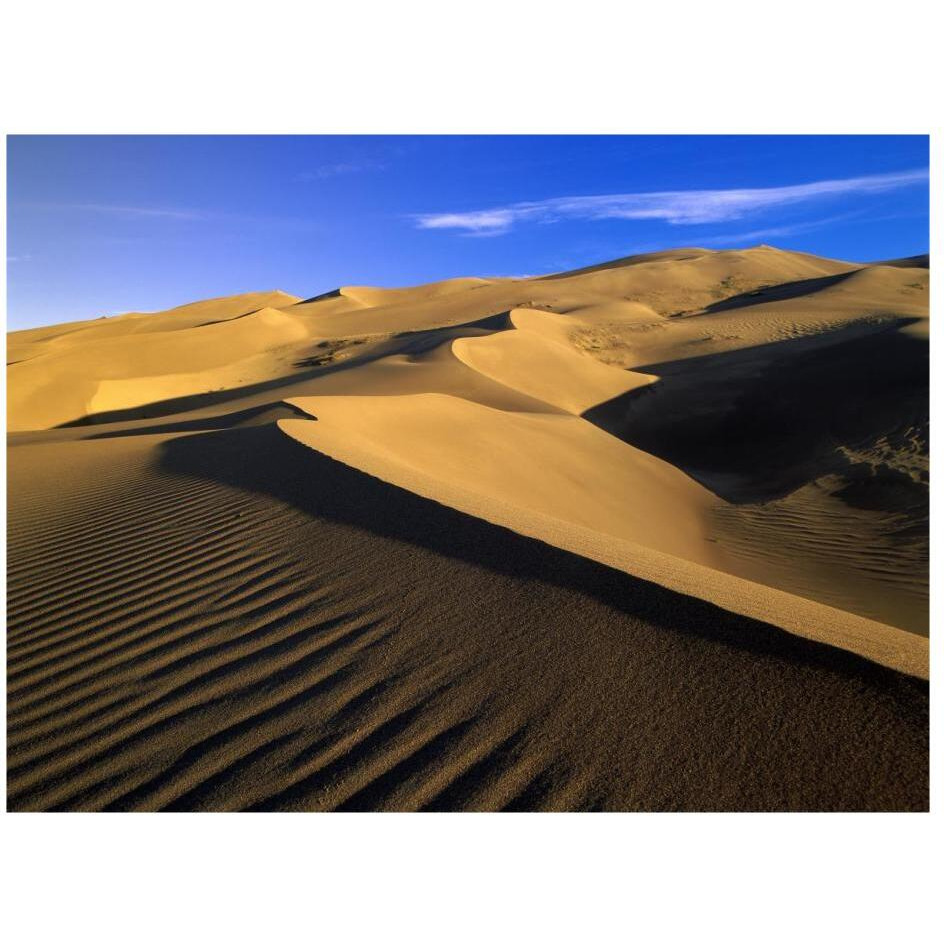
x=228, y=620
x=560, y=466
x=716, y=462
x=538, y=359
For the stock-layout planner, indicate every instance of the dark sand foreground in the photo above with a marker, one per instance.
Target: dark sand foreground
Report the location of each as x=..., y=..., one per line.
x=226, y=620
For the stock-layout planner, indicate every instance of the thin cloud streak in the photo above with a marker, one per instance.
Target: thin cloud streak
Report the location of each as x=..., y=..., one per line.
x=143, y=214
x=327, y=171
x=136, y=211
x=790, y=229
x=731, y=239
x=677, y=207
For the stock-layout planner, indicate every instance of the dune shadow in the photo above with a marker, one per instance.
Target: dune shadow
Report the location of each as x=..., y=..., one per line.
x=257, y=415
x=776, y=293
x=321, y=363
x=263, y=460
x=755, y=424
x=202, y=401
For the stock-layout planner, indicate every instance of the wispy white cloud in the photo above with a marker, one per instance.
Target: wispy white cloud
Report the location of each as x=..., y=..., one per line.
x=791, y=229
x=22, y=257
x=137, y=211
x=677, y=207
x=143, y=215
x=752, y=236
x=340, y=168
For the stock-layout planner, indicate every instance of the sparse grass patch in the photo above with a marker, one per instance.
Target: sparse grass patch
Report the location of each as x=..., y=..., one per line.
x=329, y=351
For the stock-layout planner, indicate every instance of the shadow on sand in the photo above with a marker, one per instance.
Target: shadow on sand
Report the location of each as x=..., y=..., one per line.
x=263, y=460
x=754, y=425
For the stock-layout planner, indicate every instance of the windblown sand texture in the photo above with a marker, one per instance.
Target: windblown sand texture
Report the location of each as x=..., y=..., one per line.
x=651, y=535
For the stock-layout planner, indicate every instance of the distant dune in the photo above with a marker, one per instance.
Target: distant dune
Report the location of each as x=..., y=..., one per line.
x=652, y=534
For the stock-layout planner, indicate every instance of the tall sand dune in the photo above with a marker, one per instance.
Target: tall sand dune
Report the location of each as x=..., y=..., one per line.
x=646, y=535
x=539, y=360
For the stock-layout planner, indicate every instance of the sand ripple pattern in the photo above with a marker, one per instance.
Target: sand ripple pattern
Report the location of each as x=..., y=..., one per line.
x=180, y=639
x=175, y=660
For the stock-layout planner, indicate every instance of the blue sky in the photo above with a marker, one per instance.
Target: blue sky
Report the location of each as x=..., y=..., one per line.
x=100, y=225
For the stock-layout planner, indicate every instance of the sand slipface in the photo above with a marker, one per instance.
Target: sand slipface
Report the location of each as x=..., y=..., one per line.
x=707, y=459
x=558, y=466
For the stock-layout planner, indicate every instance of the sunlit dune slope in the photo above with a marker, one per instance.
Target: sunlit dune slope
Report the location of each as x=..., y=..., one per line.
x=48, y=363
x=686, y=403
x=560, y=466
x=539, y=360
